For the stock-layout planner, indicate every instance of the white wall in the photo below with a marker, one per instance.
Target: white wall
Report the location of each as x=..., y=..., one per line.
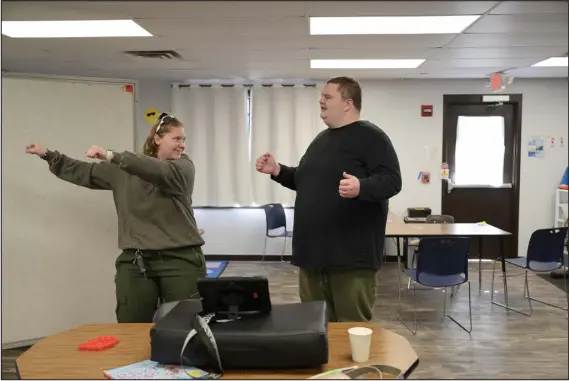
x=395, y=107
x=59, y=241
x=150, y=94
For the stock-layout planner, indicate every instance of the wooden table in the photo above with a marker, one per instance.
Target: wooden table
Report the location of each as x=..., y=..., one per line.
x=57, y=356
x=397, y=229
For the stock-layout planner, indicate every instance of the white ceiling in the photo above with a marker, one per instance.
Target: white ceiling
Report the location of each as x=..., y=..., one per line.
x=252, y=40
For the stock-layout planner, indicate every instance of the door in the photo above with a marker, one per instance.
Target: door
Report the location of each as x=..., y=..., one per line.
x=481, y=145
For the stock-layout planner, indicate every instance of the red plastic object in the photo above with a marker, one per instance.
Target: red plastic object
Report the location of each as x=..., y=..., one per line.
x=128, y=88
x=99, y=344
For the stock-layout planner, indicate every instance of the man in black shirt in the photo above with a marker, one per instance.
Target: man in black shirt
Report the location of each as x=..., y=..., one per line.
x=343, y=183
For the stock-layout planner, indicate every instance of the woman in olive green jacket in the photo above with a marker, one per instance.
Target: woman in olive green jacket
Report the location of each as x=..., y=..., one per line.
x=161, y=257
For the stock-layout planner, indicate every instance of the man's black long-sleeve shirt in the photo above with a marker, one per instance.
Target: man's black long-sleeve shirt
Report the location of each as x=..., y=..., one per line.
x=334, y=232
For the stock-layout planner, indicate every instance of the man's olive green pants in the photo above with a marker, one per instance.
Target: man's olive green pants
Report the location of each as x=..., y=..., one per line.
x=349, y=294
x=170, y=275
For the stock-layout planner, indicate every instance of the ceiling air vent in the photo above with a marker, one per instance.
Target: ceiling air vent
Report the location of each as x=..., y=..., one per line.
x=160, y=54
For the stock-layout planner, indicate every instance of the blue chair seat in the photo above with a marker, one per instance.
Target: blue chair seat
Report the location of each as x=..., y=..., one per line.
x=287, y=233
x=534, y=265
x=433, y=280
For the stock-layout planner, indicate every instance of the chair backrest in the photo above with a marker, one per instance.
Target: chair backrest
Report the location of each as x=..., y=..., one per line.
x=275, y=216
x=546, y=245
x=439, y=219
x=443, y=256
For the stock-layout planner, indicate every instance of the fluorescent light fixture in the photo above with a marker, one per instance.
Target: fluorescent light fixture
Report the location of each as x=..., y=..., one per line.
x=73, y=28
x=552, y=62
x=366, y=64
x=390, y=25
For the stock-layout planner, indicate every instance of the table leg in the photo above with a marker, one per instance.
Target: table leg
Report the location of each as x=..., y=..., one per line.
x=398, y=273
x=397, y=242
x=406, y=251
x=479, y=264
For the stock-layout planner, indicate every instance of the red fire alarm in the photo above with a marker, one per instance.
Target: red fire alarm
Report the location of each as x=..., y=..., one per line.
x=128, y=88
x=426, y=110
x=496, y=82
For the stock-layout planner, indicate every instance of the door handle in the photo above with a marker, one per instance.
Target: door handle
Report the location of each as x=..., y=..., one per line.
x=452, y=186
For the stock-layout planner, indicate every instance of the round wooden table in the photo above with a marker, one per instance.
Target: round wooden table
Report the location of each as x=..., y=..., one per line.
x=58, y=357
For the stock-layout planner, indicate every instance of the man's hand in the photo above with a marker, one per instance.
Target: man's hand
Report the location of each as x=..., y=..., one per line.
x=349, y=186
x=96, y=152
x=266, y=163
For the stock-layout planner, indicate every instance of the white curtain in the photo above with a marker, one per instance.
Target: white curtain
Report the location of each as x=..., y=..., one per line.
x=284, y=122
x=224, y=139
x=217, y=129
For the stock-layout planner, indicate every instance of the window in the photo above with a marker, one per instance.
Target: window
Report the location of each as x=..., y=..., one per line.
x=479, y=152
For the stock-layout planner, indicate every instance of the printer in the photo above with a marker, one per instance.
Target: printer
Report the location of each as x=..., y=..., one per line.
x=417, y=215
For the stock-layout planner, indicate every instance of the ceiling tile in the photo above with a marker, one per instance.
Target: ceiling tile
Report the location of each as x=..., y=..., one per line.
x=386, y=53
x=530, y=7
x=511, y=40
x=380, y=42
x=479, y=63
x=242, y=26
x=239, y=56
x=540, y=72
x=398, y=8
x=537, y=23
x=502, y=52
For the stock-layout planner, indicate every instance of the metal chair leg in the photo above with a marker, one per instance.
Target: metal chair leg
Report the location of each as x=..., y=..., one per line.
x=469, y=312
x=282, y=252
x=480, y=273
x=264, y=252
x=546, y=303
x=506, y=306
x=454, y=290
x=412, y=266
x=444, y=303
x=399, y=317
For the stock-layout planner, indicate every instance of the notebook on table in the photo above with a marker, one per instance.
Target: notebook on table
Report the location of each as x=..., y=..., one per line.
x=151, y=370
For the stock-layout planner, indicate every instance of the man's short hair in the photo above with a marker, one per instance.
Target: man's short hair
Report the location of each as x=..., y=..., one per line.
x=349, y=88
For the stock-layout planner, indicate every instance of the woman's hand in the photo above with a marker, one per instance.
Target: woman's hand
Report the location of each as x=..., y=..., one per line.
x=96, y=152
x=36, y=149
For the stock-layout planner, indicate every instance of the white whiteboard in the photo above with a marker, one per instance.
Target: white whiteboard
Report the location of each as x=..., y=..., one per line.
x=59, y=241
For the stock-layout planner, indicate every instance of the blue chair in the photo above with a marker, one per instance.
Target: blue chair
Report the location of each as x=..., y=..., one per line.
x=545, y=254
x=442, y=262
x=276, y=219
x=431, y=219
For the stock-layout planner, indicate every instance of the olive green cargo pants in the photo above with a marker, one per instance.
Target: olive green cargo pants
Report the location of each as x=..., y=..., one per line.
x=349, y=294
x=171, y=275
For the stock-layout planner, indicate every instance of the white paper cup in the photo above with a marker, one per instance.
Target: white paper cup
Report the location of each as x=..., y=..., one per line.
x=360, y=343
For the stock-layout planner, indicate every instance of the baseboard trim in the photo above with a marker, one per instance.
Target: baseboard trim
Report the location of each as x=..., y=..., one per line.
x=246, y=257
x=268, y=258
x=20, y=344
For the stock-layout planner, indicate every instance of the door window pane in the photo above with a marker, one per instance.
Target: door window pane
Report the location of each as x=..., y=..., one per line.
x=479, y=152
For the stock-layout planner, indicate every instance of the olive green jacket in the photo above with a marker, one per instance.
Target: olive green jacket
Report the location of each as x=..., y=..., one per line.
x=153, y=197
